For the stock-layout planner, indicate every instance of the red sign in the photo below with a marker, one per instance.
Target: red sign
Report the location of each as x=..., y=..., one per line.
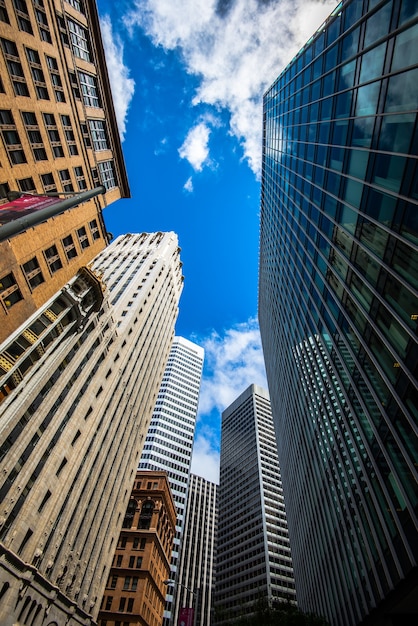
x=186, y=617
x=24, y=205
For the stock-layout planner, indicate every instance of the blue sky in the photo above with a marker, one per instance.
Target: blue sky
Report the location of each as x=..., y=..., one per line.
x=187, y=80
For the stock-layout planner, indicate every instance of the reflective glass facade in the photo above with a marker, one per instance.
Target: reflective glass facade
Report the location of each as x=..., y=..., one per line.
x=338, y=306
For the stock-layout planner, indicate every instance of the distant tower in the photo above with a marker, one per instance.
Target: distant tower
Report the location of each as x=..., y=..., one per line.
x=338, y=309
x=196, y=571
x=78, y=385
x=135, y=591
x=168, y=445
x=253, y=553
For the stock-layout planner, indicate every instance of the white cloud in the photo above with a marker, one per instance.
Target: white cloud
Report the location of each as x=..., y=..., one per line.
x=123, y=87
x=205, y=459
x=236, y=51
x=188, y=185
x=195, y=147
x=233, y=361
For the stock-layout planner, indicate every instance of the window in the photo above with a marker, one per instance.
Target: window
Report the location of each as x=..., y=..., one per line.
x=122, y=603
x=11, y=138
x=82, y=237
x=130, y=604
x=113, y=582
x=14, y=67
x=146, y=514
x=34, y=136
x=107, y=174
x=108, y=603
x=86, y=136
x=37, y=74
x=127, y=583
x=119, y=561
x=53, y=135
x=22, y=16
x=9, y=291
x=65, y=179
x=26, y=184
x=77, y=4
x=48, y=182
x=3, y=12
x=44, y=501
x=81, y=181
x=56, y=82
x=94, y=229
x=33, y=273
x=69, y=135
x=69, y=247
x=42, y=22
x=79, y=40
x=89, y=89
x=63, y=30
x=129, y=516
x=138, y=562
x=131, y=561
x=99, y=135
x=4, y=190
x=53, y=259
x=74, y=85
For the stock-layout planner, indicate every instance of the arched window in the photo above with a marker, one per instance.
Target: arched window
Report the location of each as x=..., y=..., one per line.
x=146, y=514
x=130, y=512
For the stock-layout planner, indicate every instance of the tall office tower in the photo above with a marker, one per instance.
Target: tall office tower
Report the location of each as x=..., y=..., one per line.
x=196, y=570
x=135, y=591
x=169, y=442
x=253, y=552
x=58, y=133
x=338, y=309
x=78, y=386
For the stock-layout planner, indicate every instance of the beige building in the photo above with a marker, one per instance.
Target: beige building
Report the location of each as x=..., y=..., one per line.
x=58, y=134
x=135, y=591
x=78, y=386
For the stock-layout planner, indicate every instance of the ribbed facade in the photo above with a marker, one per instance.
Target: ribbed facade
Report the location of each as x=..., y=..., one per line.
x=253, y=551
x=197, y=566
x=338, y=308
x=74, y=412
x=169, y=442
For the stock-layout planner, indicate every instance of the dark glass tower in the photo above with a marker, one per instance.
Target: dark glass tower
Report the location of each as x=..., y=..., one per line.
x=338, y=308
x=253, y=560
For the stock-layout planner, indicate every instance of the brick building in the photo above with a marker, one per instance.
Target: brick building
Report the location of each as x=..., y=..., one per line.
x=135, y=592
x=58, y=134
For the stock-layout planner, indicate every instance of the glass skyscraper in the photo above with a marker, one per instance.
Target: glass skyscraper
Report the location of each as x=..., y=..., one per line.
x=338, y=308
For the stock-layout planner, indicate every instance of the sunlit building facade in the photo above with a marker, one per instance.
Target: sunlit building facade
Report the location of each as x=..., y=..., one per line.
x=338, y=309
x=253, y=551
x=197, y=565
x=135, y=590
x=74, y=412
x=58, y=133
x=169, y=442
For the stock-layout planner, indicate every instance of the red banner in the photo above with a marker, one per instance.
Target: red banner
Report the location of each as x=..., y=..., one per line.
x=186, y=617
x=24, y=205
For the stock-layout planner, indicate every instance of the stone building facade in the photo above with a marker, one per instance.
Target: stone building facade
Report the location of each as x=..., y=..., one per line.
x=75, y=408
